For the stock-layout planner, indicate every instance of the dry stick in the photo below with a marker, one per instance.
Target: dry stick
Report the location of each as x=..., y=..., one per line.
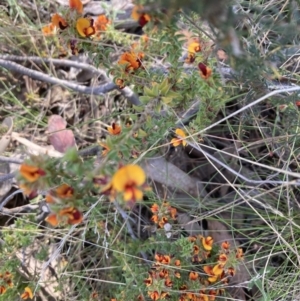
x=11, y=160
x=98, y=90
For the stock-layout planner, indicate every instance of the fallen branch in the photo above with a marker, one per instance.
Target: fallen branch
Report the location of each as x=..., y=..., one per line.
x=37, y=75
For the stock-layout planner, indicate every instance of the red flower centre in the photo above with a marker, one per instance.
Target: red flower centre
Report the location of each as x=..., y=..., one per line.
x=202, y=68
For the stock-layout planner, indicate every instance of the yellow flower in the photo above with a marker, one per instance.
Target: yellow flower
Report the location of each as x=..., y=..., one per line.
x=27, y=294
x=76, y=5
x=31, y=173
x=209, y=271
x=85, y=27
x=192, y=49
x=181, y=140
x=127, y=180
x=207, y=243
x=218, y=270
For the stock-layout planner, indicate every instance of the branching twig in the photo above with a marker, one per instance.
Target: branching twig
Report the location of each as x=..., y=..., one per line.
x=21, y=209
x=11, y=160
x=98, y=90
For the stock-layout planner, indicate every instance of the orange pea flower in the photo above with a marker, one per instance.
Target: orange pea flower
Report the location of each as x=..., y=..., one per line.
x=173, y=212
x=218, y=270
x=105, y=148
x=164, y=273
x=101, y=23
x=154, y=208
x=127, y=180
x=85, y=27
x=177, y=141
x=49, y=29
x=27, y=293
x=168, y=282
x=212, y=295
x=209, y=271
x=230, y=271
x=192, y=49
x=30, y=193
x=222, y=259
x=207, y=243
x=205, y=72
x=148, y=281
x=74, y=215
x=59, y=22
x=239, y=253
x=225, y=245
x=131, y=60
x=162, y=221
x=31, y=173
x=52, y=219
x=76, y=5
x=137, y=15
x=120, y=83
x=193, y=276
x=154, y=295
x=114, y=129
x=2, y=289
x=64, y=191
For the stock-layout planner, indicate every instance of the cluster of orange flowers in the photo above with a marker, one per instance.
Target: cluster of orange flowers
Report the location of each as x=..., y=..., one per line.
x=86, y=27
x=225, y=264
x=32, y=178
x=166, y=273
x=202, y=247
x=61, y=195
x=128, y=181
x=162, y=275
x=6, y=282
x=162, y=214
